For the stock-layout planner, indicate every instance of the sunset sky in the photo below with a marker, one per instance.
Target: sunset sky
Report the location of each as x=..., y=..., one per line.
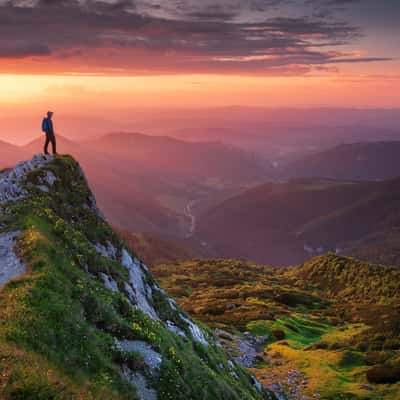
x=97, y=54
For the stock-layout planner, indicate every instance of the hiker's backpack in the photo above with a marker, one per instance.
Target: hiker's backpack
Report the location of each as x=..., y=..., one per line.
x=45, y=125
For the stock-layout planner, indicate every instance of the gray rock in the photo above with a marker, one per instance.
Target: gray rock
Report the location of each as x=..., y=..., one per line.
x=130, y=293
x=49, y=178
x=172, y=303
x=11, y=180
x=175, y=329
x=138, y=380
x=10, y=265
x=137, y=282
x=248, y=353
x=197, y=333
x=109, y=282
x=234, y=374
x=108, y=251
x=43, y=188
x=151, y=358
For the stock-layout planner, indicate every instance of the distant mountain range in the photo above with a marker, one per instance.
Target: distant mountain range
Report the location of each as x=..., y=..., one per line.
x=11, y=154
x=205, y=162
x=361, y=161
x=283, y=142
x=286, y=223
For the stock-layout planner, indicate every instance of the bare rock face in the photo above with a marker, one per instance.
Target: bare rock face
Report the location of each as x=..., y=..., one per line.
x=11, y=190
x=197, y=333
x=10, y=265
x=10, y=180
x=109, y=282
x=137, y=379
x=106, y=251
x=137, y=281
x=151, y=358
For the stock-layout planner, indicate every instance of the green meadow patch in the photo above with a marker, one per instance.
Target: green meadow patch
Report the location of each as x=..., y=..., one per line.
x=299, y=331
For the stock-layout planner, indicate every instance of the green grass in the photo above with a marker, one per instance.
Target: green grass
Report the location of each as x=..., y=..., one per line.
x=299, y=331
x=333, y=373
x=321, y=352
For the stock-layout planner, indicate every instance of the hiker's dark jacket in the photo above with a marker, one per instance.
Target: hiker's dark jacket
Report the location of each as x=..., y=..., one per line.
x=48, y=125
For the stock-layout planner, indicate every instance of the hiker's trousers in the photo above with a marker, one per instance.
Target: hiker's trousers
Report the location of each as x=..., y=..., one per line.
x=50, y=138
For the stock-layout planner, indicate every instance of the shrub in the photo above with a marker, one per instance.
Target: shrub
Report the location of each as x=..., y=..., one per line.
x=384, y=374
x=337, y=346
x=376, y=357
x=334, y=321
x=392, y=344
x=376, y=346
x=279, y=334
x=321, y=345
x=362, y=346
x=294, y=299
x=351, y=359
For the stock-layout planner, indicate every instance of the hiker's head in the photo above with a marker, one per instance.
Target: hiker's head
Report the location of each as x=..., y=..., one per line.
x=49, y=114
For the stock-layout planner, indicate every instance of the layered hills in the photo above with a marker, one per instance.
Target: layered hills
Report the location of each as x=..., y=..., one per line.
x=287, y=222
x=353, y=161
x=10, y=154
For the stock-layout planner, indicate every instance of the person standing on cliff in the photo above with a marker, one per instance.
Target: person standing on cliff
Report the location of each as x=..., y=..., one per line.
x=48, y=129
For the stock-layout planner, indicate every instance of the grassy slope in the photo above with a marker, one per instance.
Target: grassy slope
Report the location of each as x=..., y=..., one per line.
x=349, y=279
x=338, y=316
x=380, y=248
x=57, y=325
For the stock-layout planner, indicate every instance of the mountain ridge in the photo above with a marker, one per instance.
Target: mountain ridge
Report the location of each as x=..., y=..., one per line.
x=376, y=160
x=87, y=320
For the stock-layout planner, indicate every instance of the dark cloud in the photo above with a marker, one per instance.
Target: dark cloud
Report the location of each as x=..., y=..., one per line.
x=342, y=2
x=107, y=7
x=211, y=38
x=212, y=14
x=21, y=49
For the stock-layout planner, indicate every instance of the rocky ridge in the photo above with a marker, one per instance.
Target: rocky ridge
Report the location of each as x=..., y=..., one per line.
x=41, y=180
